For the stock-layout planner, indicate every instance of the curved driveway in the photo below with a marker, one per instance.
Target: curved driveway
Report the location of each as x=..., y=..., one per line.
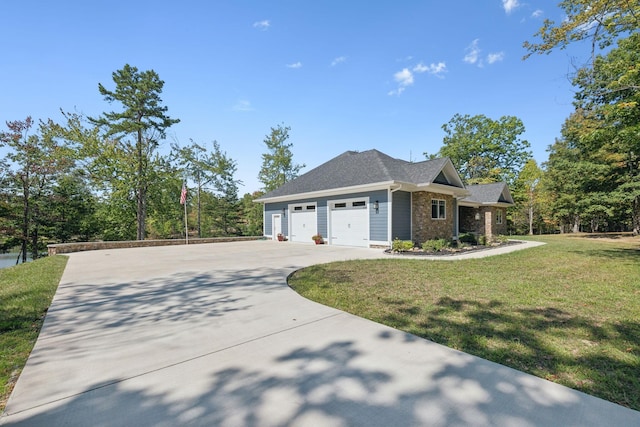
x=211, y=335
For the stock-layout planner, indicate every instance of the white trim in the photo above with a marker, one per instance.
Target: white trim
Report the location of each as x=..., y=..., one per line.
x=342, y=191
x=389, y=213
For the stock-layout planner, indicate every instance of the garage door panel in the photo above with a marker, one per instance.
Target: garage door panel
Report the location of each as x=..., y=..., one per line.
x=303, y=226
x=350, y=226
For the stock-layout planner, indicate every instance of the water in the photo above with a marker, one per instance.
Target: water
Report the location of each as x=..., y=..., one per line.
x=9, y=259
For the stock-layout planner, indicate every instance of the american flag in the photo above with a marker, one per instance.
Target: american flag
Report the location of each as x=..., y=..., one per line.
x=183, y=194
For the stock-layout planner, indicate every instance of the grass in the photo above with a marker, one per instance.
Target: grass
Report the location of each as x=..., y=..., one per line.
x=26, y=292
x=568, y=311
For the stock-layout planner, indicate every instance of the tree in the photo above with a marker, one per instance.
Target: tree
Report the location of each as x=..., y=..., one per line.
x=526, y=190
x=277, y=163
x=213, y=172
x=601, y=21
x=226, y=187
x=38, y=160
x=251, y=214
x=485, y=150
x=132, y=135
x=610, y=96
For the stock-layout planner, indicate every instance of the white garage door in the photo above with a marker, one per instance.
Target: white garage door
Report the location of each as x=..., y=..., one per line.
x=350, y=223
x=303, y=223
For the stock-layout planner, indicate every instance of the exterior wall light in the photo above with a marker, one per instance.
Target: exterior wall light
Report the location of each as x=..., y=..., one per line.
x=376, y=206
x=477, y=216
x=284, y=212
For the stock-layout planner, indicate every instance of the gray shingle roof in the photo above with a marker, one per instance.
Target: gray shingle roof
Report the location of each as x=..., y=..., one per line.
x=489, y=193
x=353, y=168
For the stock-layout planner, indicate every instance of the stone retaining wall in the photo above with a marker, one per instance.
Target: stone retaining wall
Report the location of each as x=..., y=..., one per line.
x=65, y=248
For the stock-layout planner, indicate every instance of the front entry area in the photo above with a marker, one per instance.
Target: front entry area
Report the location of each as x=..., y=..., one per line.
x=349, y=222
x=304, y=223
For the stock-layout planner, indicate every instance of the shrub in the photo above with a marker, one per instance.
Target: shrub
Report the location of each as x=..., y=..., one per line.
x=401, y=245
x=482, y=240
x=501, y=238
x=435, y=245
x=468, y=238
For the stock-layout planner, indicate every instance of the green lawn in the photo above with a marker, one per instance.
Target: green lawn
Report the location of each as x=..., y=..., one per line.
x=26, y=292
x=568, y=311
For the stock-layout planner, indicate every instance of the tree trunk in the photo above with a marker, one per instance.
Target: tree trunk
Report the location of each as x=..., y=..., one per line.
x=531, y=220
x=635, y=216
x=141, y=193
x=25, y=217
x=576, y=224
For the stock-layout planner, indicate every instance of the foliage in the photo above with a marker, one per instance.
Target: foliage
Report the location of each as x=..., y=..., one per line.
x=37, y=161
x=485, y=150
x=277, y=163
x=251, y=220
x=468, y=238
x=124, y=156
x=601, y=21
x=436, y=245
x=482, y=240
x=26, y=292
x=565, y=311
x=526, y=192
x=594, y=170
x=401, y=245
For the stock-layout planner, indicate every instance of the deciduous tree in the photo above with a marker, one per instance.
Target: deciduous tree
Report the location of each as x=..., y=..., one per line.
x=485, y=150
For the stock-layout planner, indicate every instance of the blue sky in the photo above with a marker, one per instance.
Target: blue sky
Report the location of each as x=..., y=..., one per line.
x=344, y=75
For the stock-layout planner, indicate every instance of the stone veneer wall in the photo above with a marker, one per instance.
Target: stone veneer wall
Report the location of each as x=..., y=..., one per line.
x=486, y=225
x=425, y=228
x=499, y=229
x=65, y=248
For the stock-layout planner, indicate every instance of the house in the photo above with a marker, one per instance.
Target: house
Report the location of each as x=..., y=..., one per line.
x=368, y=199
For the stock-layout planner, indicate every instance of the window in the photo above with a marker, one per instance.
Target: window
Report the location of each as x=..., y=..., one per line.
x=297, y=208
x=499, y=216
x=340, y=205
x=356, y=204
x=311, y=207
x=438, y=209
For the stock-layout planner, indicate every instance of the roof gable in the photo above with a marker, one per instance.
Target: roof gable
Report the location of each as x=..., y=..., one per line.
x=494, y=193
x=352, y=169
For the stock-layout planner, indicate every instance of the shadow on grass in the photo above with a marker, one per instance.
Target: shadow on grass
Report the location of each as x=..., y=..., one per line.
x=601, y=359
x=617, y=254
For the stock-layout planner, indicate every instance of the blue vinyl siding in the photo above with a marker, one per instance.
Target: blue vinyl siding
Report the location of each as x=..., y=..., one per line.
x=378, y=221
x=401, y=219
x=275, y=208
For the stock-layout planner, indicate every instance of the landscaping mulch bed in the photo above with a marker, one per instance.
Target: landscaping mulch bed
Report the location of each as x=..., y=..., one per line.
x=452, y=251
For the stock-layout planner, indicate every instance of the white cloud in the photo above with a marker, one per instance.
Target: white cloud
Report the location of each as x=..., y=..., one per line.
x=433, y=69
x=537, y=13
x=510, y=5
x=338, y=60
x=473, y=52
x=295, y=65
x=495, y=57
x=262, y=25
x=396, y=91
x=242, y=105
x=404, y=77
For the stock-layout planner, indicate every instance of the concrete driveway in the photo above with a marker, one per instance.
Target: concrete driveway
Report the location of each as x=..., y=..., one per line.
x=211, y=335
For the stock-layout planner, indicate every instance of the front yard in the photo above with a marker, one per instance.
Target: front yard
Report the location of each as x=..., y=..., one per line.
x=568, y=311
